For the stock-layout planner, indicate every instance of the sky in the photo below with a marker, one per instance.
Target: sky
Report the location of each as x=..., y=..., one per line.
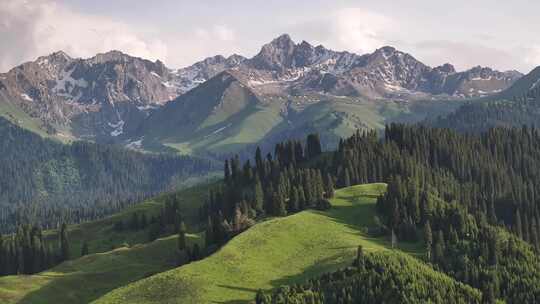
x=504, y=35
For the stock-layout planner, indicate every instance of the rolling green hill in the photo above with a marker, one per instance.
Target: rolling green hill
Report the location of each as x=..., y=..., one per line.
x=273, y=253
x=85, y=279
x=117, y=257
x=101, y=236
x=224, y=116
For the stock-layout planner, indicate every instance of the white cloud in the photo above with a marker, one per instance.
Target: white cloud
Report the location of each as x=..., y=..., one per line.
x=224, y=33
x=213, y=34
x=532, y=56
x=359, y=30
x=34, y=28
x=352, y=29
x=465, y=55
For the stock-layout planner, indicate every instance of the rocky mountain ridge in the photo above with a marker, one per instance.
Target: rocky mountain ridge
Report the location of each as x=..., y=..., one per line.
x=105, y=97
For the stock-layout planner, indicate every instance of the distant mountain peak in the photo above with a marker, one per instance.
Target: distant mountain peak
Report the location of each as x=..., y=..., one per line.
x=282, y=40
x=386, y=49
x=60, y=54
x=276, y=55
x=446, y=68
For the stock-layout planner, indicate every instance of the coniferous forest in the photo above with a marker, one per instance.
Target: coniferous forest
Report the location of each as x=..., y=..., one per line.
x=472, y=199
x=168, y=153
x=43, y=182
x=480, y=116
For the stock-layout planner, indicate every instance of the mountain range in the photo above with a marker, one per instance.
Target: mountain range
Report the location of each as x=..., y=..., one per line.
x=222, y=104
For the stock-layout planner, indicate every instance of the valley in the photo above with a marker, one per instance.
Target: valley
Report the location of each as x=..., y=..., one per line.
x=180, y=159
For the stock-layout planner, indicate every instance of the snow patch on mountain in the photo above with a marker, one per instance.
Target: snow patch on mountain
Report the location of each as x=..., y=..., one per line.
x=118, y=128
x=66, y=85
x=136, y=144
x=147, y=107
x=26, y=97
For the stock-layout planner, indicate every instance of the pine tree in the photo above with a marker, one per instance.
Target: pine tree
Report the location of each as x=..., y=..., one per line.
x=346, y=178
x=227, y=172
x=64, y=243
x=294, y=204
x=278, y=205
x=438, y=251
x=428, y=239
x=519, y=227
x=182, y=237
x=313, y=145
x=196, y=252
x=260, y=297
x=488, y=294
x=84, y=248
x=209, y=233
x=258, y=197
x=3, y=256
x=329, y=186
x=134, y=223
x=359, y=262
x=534, y=234
x=258, y=158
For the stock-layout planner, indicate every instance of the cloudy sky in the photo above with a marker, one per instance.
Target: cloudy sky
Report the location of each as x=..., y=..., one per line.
x=500, y=34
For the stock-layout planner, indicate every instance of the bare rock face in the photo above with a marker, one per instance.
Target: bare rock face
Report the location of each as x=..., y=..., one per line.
x=283, y=67
x=97, y=97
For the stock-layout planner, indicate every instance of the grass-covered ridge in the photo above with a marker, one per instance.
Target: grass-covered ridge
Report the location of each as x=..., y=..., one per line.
x=379, y=277
x=101, y=236
x=117, y=257
x=86, y=278
x=273, y=253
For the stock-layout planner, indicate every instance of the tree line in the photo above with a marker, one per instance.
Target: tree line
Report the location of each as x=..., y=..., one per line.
x=480, y=116
x=28, y=252
x=275, y=185
x=472, y=199
x=375, y=278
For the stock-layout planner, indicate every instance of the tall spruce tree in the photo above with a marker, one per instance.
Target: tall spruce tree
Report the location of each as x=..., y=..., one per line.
x=182, y=237
x=84, y=248
x=64, y=243
x=313, y=145
x=258, y=197
x=428, y=239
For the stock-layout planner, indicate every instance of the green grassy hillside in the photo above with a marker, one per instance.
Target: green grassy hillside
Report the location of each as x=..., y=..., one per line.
x=273, y=253
x=12, y=112
x=101, y=236
x=85, y=279
x=234, y=121
x=117, y=258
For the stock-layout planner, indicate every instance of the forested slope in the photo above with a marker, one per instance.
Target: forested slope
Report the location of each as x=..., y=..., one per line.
x=521, y=109
x=130, y=245
x=272, y=253
x=473, y=199
x=45, y=182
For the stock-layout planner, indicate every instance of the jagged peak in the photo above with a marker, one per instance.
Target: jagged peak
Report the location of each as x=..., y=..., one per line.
x=236, y=57
x=386, y=49
x=113, y=55
x=214, y=59
x=282, y=39
x=60, y=54
x=305, y=44
x=446, y=68
x=282, y=42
